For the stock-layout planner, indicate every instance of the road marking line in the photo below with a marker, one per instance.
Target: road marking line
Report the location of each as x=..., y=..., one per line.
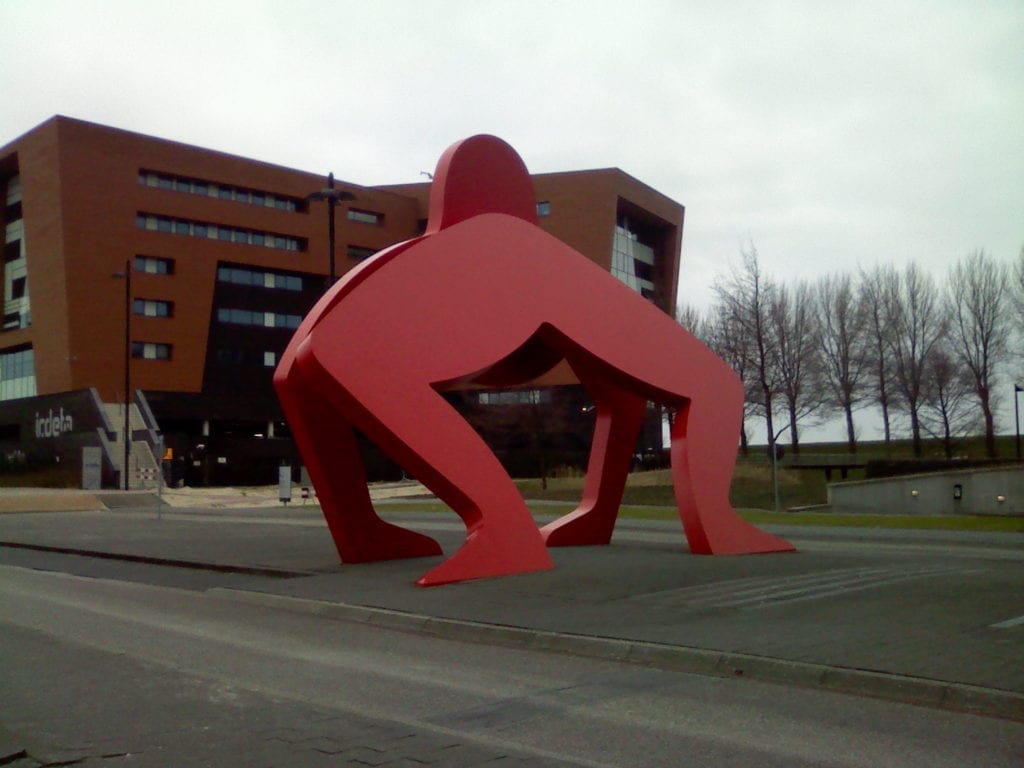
x=765, y=592
x=836, y=587
x=1008, y=623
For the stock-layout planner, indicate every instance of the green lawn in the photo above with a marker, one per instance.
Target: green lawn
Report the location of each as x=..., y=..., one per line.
x=649, y=496
x=761, y=516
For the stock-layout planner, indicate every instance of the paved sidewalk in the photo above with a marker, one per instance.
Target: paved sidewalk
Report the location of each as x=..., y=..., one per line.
x=932, y=618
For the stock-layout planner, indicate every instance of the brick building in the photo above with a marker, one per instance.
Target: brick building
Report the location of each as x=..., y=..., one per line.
x=224, y=256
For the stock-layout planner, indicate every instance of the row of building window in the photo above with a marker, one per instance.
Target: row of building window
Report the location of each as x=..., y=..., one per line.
x=364, y=217
x=219, y=232
x=265, y=319
x=250, y=357
x=515, y=397
x=153, y=308
x=357, y=253
x=16, y=308
x=17, y=319
x=221, y=191
x=151, y=350
x=258, y=278
x=154, y=265
x=244, y=195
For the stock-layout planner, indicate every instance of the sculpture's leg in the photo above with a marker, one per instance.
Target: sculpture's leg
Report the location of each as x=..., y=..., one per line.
x=664, y=363
x=414, y=425
x=704, y=436
x=427, y=436
x=328, y=447
x=619, y=416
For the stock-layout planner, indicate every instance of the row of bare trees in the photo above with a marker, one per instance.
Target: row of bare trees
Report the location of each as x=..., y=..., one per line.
x=898, y=340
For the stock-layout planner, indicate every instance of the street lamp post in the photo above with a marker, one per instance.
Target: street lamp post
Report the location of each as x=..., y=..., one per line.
x=775, y=466
x=127, y=277
x=332, y=197
x=1017, y=389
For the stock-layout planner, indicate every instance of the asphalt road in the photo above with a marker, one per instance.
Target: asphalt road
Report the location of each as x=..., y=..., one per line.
x=113, y=671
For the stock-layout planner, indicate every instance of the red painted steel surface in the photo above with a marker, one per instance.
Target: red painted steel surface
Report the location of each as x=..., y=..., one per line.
x=485, y=296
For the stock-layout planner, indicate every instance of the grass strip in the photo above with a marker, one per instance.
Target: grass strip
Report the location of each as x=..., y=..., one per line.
x=761, y=516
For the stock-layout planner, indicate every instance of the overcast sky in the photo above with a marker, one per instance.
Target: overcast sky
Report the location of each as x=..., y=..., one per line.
x=828, y=134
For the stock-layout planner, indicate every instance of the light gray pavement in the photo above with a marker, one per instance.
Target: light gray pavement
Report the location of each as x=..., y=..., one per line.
x=927, y=617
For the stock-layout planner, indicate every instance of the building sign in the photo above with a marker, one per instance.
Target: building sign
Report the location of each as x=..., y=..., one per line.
x=53, y=424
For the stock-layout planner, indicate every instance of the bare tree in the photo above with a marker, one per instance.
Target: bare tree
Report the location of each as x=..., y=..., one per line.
x=746, y=297
x=795, y=333
x=692, y=320
x=980, y=327
x=916, y=322
x=724, y=334
x=877, y=289
x=946, y=411
x=843, y=346
x=1018, y=288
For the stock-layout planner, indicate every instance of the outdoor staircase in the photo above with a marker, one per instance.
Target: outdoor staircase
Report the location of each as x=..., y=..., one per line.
x=144, y=469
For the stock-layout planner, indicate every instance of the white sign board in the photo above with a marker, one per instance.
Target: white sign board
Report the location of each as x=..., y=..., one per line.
x=284, y=484
x=92, y=468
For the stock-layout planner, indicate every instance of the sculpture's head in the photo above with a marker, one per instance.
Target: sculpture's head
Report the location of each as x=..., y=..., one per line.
x=481, y=174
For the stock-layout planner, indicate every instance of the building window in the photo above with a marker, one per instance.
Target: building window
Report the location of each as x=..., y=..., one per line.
x=151, y=350
x=218, y=232
x=632, y=260
x=246, y=357
x=12, y=212
x=17, y=373
x=152, y=265
x=259, y=278
x=357, y=253
x=18, y=287
x=259, y=198
x=12, y=251
x=153, y=308
x=515, y=397
x=265, y=319
x=14, y=321
x=543, y=209
x=365, y=217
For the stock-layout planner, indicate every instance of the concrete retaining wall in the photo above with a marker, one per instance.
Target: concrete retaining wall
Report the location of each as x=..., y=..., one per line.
x=993, y=491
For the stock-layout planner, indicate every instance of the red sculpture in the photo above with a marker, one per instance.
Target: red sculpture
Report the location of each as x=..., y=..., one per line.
x=486, y=297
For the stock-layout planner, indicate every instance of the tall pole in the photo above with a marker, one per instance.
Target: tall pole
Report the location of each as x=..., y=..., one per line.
x=774, y=441
x=332, y=201
x=127, y=368
x=775, y=478
x=1017, y=389
x=332, y=197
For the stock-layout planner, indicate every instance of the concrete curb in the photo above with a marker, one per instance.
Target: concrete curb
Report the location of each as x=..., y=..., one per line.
x=939, y=694
x=247, y=570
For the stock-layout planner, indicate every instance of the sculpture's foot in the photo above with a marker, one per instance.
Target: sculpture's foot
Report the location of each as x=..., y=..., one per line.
x=488, y=553
x=587, y=526
x=726, y=533
x=385, y=541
